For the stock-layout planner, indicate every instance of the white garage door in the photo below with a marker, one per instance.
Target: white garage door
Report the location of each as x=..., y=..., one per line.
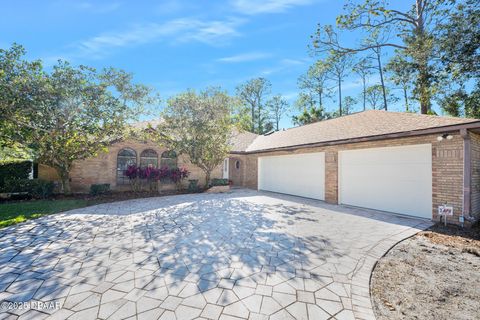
x=395, y=179
x=300, y=174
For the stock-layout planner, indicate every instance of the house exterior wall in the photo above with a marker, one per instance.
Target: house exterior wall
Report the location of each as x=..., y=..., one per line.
x=103, y=168
x=475, y=177
x=47, y=173
x=447, y=168
x=236, y=175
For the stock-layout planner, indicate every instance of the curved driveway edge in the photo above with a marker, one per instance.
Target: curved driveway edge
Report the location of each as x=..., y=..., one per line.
x=240, y=255
x=361, y=296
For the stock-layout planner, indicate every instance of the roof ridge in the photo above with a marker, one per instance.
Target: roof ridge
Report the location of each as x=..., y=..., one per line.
x=366, y=123
x=326, y=120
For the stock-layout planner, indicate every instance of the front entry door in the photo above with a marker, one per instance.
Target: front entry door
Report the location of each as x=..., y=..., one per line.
x=225, y=168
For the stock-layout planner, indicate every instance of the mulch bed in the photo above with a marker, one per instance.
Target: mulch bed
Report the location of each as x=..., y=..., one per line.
x=433, y=275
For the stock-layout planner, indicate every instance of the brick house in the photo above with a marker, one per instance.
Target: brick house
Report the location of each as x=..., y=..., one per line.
x=396, y=162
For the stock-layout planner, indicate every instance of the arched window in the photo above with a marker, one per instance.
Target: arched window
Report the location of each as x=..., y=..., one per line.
x=149, y=157
x=126, y=157
x=169, y=159
x=237, y=164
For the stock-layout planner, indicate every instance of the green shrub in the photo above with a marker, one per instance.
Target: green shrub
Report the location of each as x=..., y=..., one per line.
x=36, y=188
x=14, y=170
x=16, y=185
x=219, y=182
x=193, y=186
x=42, y=189
x=97, y=189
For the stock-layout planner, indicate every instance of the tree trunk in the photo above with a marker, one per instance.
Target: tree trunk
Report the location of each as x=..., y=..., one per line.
x=340, y=96
x=320, y=102
x=423, y=74
x=65, y=178
x=423, y=89
x=382, y=81
x=364, y=93
x=253, y=119
x=405, y=96
x=207, y=178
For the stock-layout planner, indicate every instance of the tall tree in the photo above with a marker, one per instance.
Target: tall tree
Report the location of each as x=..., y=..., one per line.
x=400, y=74
x=374, y=96
x=363, y=69
x=349, y=104
x=198, y=125
x=459, y=39
x=341, y=66
x=375, y=40
x=253, y=94
x=277, y=107
x=82, y=113
x=309, y=113
x=315, y=81
x=414, y=30
x=22, y=89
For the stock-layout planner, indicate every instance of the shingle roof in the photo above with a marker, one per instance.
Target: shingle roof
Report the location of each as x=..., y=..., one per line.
x=363, y=124
x=241, y=140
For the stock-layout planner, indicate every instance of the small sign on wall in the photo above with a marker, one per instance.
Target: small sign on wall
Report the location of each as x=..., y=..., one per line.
x=445, y=210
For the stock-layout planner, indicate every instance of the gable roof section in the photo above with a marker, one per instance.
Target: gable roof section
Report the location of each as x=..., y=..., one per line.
x=241, y=140
x=364, y=124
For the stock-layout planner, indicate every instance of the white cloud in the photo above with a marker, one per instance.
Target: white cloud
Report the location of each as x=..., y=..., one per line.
x=174, y=31
x=245, y=57
x=252, y=7
x=93, y=7
x=284, y=65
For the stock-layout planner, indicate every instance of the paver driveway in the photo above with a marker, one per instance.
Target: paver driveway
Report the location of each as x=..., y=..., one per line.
x=243, y=255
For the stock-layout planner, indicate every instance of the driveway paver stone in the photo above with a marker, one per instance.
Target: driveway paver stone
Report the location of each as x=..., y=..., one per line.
x=239, y=255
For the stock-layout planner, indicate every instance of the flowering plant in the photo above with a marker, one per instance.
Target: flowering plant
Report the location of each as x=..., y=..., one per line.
x=178, y=174
x=152, y=175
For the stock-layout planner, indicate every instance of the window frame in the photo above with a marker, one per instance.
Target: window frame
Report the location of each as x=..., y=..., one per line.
x=121, y=179
x=153, y=156
x=167, y=161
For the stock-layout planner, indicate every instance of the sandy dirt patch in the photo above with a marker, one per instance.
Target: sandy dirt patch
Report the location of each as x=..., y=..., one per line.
x=433, y=275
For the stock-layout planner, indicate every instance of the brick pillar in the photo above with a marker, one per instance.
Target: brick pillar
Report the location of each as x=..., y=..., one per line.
x=331, y=177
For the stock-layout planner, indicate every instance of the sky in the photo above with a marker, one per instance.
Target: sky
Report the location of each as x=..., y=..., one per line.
x=177, y=45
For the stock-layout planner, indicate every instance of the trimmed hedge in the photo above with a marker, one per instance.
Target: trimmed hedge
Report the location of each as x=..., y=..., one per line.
x=36, y=188
x=193, y=186
x=219, y=182
x=14, y=170
x=96, y=189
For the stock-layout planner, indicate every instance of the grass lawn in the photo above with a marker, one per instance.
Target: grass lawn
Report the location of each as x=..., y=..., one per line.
x=16, y=212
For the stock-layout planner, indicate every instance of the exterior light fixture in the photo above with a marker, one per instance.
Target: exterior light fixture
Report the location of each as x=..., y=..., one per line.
x=445, y=136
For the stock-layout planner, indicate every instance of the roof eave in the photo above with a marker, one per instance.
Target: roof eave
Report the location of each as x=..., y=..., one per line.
x=403, y=134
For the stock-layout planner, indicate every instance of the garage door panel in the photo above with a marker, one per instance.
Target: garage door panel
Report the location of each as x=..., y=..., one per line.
x=299, y=174
x=396, y=179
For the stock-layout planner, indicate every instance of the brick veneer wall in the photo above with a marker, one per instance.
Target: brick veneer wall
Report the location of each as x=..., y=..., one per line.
x=234, y=174
x=47, y=173
x=475, y=180
x=447, y=168
x=103, y=168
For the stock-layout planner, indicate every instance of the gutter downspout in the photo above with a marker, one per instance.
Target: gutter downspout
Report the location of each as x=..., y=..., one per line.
x=467, y=175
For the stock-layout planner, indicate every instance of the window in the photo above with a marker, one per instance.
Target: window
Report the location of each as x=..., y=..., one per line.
x=237, y=164
x=169, y=159
x=126, y=157
x=149, y=157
